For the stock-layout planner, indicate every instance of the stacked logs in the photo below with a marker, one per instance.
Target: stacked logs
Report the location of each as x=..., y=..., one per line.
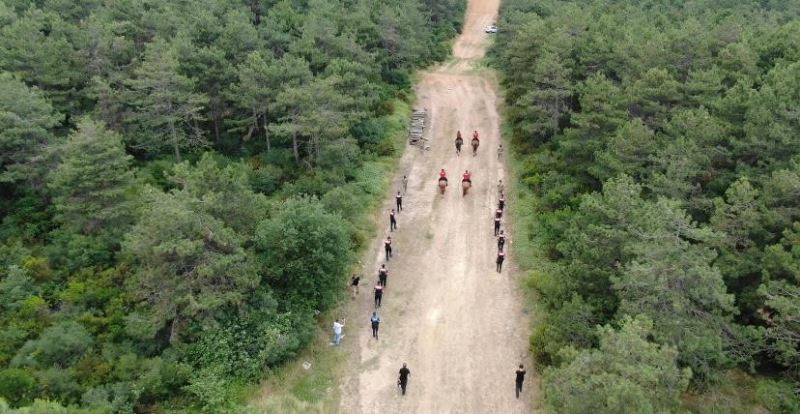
x=417, y=130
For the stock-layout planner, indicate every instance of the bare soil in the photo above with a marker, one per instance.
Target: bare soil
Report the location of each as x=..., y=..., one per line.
x=458, y=324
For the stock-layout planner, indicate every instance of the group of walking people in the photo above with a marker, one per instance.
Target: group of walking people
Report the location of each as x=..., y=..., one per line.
x=380, y=285
x=498, y=232
x=383, y=272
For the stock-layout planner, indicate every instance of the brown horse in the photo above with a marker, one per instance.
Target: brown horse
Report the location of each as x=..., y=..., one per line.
x=465, y=185
x=475, y=144
x=442, y=184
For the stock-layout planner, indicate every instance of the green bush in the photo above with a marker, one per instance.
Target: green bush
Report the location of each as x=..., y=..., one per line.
x=574, y=324
x=778, y=396
x=212, y=390
x=17, y=386
x=158, y=379
x=315, y=184
x=348, y=201
x=306, y=253
x=266, y=179
x=59, y=384
x=371, y=132
x=244, y=347
x=28, y=218
x=627, y=373
x=341, y=155
x=11, y=339
x=15, y=288
x=60, y=345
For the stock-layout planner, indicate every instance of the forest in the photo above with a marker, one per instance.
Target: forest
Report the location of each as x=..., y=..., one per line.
x=183, y=186
x=657, y=161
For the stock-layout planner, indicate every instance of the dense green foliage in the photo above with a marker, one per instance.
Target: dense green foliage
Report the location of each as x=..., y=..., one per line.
x=627, y=373
x=658, y=147
x=183, y=184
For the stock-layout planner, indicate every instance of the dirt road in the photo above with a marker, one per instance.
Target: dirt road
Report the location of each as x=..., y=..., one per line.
x=458, y=323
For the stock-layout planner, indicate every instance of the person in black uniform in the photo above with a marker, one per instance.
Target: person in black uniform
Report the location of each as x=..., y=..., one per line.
x=500, y=258
x=519, y=379
x=383, y=274
x=378, y=294
x=392, y=221
x=403, y=380
x=354, y=283
x=502, y=203
x=496, y=225
x=501, y=241
x=399, y=199
x=387, y=246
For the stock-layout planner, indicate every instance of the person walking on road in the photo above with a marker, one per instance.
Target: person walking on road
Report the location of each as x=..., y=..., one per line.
x=501, y=256
x=519, y=379
x=405, y=184
x=496, y=225
x=501, y=204
x=354, y=280
x=500, y=187
x=392, y=221
x=403, y=380
x=399, y=200
x=375, y=320
x=387, y=246
x=337, y=331
x=500, y=151
x=378, y=294
x=498, y=213
x=501, y=241
x=383, y=274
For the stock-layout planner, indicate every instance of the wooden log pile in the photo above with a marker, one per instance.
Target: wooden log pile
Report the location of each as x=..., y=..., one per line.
x=417, y=130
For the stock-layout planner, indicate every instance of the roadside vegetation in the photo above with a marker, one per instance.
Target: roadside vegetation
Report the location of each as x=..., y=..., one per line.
x=183, y=186
x=657, y=156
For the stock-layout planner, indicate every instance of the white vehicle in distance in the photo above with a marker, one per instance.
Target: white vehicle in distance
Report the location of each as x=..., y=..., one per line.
x=490, y=29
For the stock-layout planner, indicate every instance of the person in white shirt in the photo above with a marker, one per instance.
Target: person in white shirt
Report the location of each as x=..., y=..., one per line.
x=337, y=331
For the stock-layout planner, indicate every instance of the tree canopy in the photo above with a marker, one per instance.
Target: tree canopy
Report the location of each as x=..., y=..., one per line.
x=658, y=150
x=183, y=185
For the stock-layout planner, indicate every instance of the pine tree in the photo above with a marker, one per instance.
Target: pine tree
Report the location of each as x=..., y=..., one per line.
x=260, y=79
x=312, y=114
x=93, y=184
x=628, y=373
x=26, y=118
x=187, y=264
x=168, y=108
